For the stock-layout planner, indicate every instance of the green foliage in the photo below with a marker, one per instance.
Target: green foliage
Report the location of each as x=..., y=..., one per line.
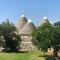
x=45, y=36
x=11, y=39
x=57, y=35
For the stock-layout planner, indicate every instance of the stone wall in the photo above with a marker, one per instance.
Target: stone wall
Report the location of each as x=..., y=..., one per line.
x=26, y=44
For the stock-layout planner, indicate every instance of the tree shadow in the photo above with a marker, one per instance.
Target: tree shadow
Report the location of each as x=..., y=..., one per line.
x=51, y=58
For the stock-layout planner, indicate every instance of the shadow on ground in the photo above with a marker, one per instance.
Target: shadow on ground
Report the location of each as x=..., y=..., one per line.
x=46, y=57
x=51, y=58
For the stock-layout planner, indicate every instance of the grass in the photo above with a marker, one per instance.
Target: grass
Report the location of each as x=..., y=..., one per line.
x=32, y=55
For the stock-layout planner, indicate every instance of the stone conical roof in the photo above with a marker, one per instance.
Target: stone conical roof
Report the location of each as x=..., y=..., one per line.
x=28, y=28
x=21, y=22
x=44, y=20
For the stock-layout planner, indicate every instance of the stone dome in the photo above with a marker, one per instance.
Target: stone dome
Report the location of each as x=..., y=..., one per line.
x=28, y=28
x=44, y=20
x=21, y=22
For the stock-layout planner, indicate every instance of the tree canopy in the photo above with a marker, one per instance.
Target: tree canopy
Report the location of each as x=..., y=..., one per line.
x=45, y=36
x=11, y=40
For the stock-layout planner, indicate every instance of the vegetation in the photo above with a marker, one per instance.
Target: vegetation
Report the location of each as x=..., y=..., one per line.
x=32, y=55
x=46, y=36
x=57, y=35
x=9, y=39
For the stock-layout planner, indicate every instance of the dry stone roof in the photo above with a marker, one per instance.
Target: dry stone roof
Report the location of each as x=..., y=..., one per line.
x=21, y=22
x=28, y=28
x=44, y=20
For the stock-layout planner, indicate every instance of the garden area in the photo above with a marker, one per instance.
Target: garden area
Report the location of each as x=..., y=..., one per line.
x=43, y=37
x=32, y=55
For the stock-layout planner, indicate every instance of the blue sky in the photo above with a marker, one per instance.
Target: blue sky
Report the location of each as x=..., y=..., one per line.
x=34, y=9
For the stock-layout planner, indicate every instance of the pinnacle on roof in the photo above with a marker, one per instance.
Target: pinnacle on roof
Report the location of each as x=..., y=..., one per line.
x=22, y=15
x=21, y=22
x=29, y=20
x=45, y=17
